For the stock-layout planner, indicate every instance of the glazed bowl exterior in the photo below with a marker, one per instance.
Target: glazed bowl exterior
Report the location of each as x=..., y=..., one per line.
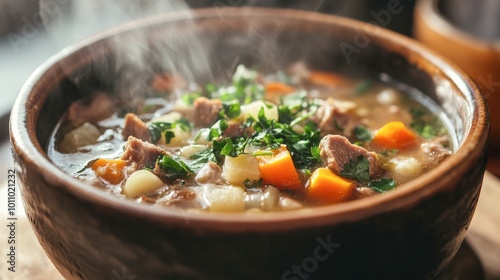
x=410, y=233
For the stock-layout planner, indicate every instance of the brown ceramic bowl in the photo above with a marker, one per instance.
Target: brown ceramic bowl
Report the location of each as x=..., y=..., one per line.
x=410, y=233
x=468, y=34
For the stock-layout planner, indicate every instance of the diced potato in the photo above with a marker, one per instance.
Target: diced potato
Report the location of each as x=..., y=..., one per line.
x=404, y=168
x=84, y=135
x=238, y=169
x=227, y=199
x=252, y=110
x=141, y=182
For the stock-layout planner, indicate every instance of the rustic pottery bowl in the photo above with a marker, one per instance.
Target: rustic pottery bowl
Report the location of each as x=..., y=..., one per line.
x=410, y=233
x=468, y=34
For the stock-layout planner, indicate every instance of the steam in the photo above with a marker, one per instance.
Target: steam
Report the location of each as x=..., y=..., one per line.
x=72, y=20
x=181, y=52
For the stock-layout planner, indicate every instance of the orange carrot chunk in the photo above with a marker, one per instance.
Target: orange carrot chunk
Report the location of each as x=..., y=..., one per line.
x=111, y=170
x=167, y=82
x=278, y=88
x=394, y=135
x=327, y=79
x=274, y=90
x=328, y=187
x=278, y=170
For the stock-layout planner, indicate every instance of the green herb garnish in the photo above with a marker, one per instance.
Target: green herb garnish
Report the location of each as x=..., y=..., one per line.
x=157, y=129
x=362, y=133
x=382, y=185
x=173, y=169
x=427, y=125
x=357, y=169
x=189, y=98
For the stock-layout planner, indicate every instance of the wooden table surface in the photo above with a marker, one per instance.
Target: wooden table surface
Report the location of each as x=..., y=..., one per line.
x=479, y=257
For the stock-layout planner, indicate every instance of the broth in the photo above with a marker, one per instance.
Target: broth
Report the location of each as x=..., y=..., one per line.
x=279, y=141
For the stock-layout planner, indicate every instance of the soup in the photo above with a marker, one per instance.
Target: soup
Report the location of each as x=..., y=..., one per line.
x=263, y=142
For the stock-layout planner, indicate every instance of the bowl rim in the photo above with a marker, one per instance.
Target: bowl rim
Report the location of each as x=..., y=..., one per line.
x=430, y=13
x=26, y=147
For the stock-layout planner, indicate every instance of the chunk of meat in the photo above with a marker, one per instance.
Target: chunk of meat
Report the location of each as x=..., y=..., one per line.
x=209, y=173
x=206, y=111
x=134, y=126
x=336, y=151
x=141, y=154
x=179, y=197
x=333, y=117
x=100, y=107
x=233, y=129
x=433, y=153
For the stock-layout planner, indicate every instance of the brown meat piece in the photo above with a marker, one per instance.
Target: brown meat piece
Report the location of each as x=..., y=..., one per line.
x=336, y=151
x=233, y=129
x=141, y=154
x=206, y=111
x=209, y=173
x=332, y=117
x=134, y=126
x=434, y=153
x=100, y=107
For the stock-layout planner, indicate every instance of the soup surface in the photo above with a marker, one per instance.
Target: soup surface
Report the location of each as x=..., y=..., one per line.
x=280, y=141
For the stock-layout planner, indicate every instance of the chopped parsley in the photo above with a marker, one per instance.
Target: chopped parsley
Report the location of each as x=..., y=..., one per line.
x=357, y=169
x=189, y=98
x=157, y=129
x=382, y=185
x=427, y=125
x=363, y=87
x=244, y=88
x=362, y=133
x=173, y=169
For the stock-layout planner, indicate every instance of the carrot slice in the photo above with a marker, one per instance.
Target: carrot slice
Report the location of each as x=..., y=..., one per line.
x=278, y=170
x=278, y=88
x=274, y=90
x=167, y=82
x=328, y=187
x=394, y=135
x=111, y=170
x=327, y=79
